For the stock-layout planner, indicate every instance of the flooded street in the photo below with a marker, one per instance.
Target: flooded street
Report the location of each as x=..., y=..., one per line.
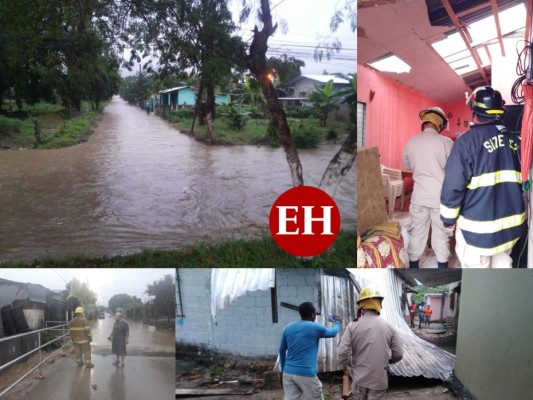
x=138, y=183
x=148, y=371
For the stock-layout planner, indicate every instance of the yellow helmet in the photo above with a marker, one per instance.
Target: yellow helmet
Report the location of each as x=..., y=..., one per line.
x=368, y=293
x=434, y=115
x=78, y=310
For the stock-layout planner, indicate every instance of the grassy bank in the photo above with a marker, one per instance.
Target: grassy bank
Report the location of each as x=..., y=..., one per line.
x=306, y=132
x=228, y=253
x=55, y=126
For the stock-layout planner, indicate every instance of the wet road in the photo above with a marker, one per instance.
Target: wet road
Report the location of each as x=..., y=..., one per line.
x=148, y=372
x=138, y=183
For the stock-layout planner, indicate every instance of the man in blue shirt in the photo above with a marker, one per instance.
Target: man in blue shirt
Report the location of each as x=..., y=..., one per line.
x=298, y=353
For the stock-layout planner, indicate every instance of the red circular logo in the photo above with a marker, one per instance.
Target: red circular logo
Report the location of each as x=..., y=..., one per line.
x=304, y=221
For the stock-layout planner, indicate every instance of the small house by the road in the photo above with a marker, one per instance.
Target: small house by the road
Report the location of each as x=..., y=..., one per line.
x=298, y=88
x=177, y=96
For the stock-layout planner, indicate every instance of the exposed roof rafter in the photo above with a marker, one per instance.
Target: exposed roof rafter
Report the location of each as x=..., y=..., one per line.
x=494, y=6
x=473, y=52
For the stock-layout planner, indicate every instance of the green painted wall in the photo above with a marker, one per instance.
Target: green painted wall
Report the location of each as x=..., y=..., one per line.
x=494, y=355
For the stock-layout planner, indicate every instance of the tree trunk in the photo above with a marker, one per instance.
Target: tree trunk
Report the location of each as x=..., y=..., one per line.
x=197, y=105
x=210, y=107
x=339, y=165
x=256, y=62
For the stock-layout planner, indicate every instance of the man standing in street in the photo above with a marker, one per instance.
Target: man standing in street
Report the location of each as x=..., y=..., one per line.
x=482, y=189
x=80, y=333
x=368, y=345
x=298, y=354
x=120, y=338
x=426, y=154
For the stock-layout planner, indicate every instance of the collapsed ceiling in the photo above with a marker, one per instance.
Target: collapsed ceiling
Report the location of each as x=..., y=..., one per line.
x=434, y=37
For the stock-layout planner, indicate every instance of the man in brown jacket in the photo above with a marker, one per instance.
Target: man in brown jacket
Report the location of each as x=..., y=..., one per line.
x=371, y=344
x=80, y=332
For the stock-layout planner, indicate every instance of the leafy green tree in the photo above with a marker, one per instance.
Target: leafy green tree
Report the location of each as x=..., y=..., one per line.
x=284, y=67
x=164, y=292
x=120, y=301
x=330, y=45
x=82, y=291
x=423, y=290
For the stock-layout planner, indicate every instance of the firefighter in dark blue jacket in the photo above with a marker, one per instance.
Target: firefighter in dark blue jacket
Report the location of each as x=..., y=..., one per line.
x=481, y=192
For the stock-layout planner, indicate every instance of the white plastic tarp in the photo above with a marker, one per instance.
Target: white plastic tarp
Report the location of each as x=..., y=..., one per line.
x=228, y=284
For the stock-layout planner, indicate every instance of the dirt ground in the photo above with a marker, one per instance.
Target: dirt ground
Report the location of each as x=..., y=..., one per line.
x=218, y=372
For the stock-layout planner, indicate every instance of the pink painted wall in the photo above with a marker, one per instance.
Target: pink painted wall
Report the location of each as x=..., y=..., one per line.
x=434, y=301
x=392, y=114
x=460, y=113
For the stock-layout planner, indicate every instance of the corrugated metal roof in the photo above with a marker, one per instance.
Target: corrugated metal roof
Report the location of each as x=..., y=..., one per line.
x=430, y=277
x=421, y=358
x=37, y=293
x=326, y=78
x=11, y=291
x=174, y=89
x=338, y=298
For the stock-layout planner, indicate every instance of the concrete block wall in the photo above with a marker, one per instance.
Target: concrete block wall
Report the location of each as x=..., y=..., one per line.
x=244, y=327
x=195, y=285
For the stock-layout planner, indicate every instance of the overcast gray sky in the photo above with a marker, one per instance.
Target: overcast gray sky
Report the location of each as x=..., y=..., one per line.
x=308, y=23
x=105, y=282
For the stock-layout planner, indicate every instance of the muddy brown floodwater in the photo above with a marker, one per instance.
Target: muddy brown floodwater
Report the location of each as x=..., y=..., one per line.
x=138, y=183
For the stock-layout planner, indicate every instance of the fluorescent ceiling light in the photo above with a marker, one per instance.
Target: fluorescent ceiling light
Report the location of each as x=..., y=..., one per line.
x=391, y=64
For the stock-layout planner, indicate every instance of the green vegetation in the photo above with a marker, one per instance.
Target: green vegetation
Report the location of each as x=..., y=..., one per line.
x=228, y=253
x=423, y=290
x=306, y=132
x=56, y=128
x=217, y=373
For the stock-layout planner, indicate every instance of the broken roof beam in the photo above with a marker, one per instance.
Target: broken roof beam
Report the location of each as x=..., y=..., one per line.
x=473, y=52
x=494, y=6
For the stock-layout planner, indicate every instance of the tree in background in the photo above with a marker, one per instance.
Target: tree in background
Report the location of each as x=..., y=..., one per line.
x=57, y=48
x=80, y=294
x=164, y=292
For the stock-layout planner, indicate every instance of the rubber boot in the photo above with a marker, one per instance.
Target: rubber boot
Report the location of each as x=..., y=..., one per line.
x=443, y=265
x=413, y=264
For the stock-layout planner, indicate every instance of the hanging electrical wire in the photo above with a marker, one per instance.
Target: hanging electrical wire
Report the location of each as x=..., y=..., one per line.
x=522, y=70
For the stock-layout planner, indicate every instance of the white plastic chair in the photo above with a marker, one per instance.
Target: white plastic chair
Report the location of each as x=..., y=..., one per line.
x=392, y=187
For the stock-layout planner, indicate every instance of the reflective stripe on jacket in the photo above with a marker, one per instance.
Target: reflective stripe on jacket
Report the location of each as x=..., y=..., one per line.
x=482, y=189
x=80, y=330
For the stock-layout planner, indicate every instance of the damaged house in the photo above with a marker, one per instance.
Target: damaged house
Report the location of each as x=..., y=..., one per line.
x=25, y=307
x=242, y=312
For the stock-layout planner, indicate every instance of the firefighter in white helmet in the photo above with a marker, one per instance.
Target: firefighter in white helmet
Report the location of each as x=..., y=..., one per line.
x=426, y=155
x=80, y=332
x=368, y=345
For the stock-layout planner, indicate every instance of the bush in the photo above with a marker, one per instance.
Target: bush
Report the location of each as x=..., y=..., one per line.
x=307, y=138
x=47, y=337
x=178, y=115
x=300, y=112
x=9, y=125
x=235, y=119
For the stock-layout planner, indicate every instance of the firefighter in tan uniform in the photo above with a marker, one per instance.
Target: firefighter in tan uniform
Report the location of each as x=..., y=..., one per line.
x=80, y=332
x=368, y=345
x=426, y=155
